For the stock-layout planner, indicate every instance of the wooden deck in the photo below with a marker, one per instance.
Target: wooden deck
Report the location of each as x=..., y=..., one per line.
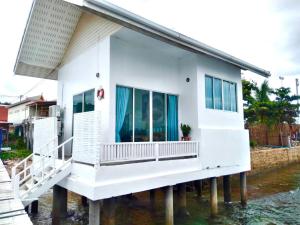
x=11, y=210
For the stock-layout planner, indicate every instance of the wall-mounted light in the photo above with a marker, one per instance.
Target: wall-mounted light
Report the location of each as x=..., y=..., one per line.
x=97, y=75
x=187, y=79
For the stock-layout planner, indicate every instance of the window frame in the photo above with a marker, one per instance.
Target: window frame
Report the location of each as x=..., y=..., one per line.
x=222, y=99
x=82, y=100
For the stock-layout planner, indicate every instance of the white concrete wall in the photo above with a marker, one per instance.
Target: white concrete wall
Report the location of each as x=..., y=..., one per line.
x=79, y=75
x=17, y=114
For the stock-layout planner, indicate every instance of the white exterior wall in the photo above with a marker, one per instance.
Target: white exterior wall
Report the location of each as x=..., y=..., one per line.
x=17, y=114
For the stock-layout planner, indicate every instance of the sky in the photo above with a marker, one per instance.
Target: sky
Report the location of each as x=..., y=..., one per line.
x=264, y=33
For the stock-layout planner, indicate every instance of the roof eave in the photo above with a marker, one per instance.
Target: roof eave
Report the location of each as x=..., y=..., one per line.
x=141, y=24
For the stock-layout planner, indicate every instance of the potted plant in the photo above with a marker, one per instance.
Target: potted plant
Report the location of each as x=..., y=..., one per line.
x=186, y=130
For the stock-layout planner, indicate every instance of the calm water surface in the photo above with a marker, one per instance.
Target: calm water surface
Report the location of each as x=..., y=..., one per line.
x=274, y=198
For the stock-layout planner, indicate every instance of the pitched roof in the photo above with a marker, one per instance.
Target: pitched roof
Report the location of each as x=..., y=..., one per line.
x=27, y=100
x=43, y=61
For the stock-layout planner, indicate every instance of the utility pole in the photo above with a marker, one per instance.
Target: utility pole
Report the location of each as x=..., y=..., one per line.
x=297, y=93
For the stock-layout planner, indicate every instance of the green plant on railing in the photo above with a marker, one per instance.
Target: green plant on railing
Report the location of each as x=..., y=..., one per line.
x=185, y=129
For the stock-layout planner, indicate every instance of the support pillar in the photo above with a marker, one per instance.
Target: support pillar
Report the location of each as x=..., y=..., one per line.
x=94, y=212
x=34, y=207
x=59, y=206
x=152, y=198
x=243, y=188
x=109, y=211
x=198, y=187
x=213, y=196
x=182, y=199
x=169, y=205
x=227, y=189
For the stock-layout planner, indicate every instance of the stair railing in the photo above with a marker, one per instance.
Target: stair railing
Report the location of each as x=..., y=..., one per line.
x=37, y=164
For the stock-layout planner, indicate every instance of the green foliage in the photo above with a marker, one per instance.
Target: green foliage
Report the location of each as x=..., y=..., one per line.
x=186, y=129
x=16, y=142
x=15, y=154
x=253, y=144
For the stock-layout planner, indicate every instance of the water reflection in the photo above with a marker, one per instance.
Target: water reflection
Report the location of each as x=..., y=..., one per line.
x=274, y=198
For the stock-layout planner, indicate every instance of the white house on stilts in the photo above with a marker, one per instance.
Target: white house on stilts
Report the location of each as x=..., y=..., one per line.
x=125, y=84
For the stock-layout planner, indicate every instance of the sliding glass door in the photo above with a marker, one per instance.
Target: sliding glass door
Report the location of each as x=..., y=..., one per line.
x=141, y=115
x=134, y=113
x=159, y=116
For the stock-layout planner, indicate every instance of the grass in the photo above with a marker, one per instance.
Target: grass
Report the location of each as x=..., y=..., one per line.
x=14, y=154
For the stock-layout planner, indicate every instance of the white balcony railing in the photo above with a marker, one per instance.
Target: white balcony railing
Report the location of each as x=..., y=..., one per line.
x=145, y=151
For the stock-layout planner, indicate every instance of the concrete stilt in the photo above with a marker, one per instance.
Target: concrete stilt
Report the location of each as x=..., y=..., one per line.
x=152, y=198
x=34, y=207
x=169, y=205
x=109, y=210
x=198, y=187
x=59, y=206
x=227, y=189
x=182, y=200
x=94, y=212
x=243, y=188
x=84, y=201
x=213, y=196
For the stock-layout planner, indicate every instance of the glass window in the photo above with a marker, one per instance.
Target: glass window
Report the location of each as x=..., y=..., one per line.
x=77, y=103
x=172, y=118
x=159, y=116
x=141, y=116
x=89, y=100
x=233, y=97
x=124, y=114
x=209, y=92
x=227, y=99
x=217, y=86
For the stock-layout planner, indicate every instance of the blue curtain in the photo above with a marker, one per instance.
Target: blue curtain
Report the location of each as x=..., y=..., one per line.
x=218, y=93
x=209, y=92
x=172, y=119
x=122, y=98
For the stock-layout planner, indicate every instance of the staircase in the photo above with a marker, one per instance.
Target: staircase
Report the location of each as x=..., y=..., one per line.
x=37, y=173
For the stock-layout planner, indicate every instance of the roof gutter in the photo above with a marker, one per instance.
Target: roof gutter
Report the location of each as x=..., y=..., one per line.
x=133, y=20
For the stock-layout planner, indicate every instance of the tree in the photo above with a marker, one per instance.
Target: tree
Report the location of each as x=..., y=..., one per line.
x=285, y=108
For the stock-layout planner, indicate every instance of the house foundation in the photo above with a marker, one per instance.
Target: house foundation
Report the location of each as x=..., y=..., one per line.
x=152, y=198
x=109, y=206
x=227, y=189
x=213, y=196
x=198, y=188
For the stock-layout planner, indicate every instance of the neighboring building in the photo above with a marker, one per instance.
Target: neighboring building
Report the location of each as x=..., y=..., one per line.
x=19, y=111
x=125, y=84
x=4, y=125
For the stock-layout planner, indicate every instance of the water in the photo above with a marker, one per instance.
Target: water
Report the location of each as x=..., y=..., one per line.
x=274, y=198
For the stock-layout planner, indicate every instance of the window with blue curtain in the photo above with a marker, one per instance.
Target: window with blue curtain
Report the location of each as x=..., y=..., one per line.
x=217, y=86
x=141, y=115
x=172, y=118
x=159, y=116
x=209, y=92
x=124, y=114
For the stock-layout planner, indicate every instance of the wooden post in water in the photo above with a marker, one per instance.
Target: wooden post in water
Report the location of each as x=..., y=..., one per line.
x=169, y=205
x=213, y=196
x=59, y=205
x=243, y=188
x=152, y=198
x=182, y=199
x=198, y=187
x=34, y=207
x=109, y=210
x=94, y=212
x=227, y=189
